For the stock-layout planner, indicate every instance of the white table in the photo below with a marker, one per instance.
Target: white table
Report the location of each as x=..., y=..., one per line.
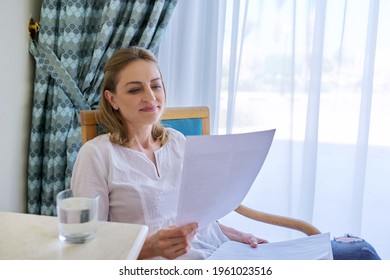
x=28, y=237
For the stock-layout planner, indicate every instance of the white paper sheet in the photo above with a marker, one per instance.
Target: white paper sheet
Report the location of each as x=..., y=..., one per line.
x=218, y=171
x=315, y=247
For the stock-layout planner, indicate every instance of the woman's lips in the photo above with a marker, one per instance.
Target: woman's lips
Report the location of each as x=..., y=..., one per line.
x=149, y=109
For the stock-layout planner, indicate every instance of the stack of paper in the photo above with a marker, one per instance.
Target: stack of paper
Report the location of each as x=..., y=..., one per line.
x=315, y=247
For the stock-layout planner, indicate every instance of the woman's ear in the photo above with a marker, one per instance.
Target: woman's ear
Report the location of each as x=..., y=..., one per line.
x=110, y=97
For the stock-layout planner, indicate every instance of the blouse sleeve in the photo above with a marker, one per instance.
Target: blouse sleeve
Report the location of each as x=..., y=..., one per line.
x=90, y=172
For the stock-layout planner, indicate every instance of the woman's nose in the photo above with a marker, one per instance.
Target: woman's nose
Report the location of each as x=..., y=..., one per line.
x=149, y=95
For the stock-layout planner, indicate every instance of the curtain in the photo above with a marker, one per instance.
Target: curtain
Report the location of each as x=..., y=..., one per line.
x=192, y=47
x=317, y=71
x=75, y=39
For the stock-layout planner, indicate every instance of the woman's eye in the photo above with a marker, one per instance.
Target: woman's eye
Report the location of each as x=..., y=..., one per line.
x=156, y=86
x=134, y=90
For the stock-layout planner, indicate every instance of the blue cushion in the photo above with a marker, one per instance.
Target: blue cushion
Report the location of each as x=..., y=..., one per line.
x=185, y=126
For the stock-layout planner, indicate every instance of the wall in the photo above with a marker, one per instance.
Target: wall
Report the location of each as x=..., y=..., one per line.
x=16, y=80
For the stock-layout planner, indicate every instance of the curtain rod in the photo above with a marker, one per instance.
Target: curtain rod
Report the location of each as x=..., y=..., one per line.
x=33, y=28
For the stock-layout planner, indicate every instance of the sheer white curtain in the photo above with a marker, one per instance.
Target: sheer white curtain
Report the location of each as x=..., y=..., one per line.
x=190, y=55
x=318, y=72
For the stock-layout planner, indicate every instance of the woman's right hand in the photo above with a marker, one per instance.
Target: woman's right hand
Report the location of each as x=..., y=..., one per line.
x=169, y=243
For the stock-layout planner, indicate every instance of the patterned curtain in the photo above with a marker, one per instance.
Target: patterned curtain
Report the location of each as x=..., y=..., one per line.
x=75, y=39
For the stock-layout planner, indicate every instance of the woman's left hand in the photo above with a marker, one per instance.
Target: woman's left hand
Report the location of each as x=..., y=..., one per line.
x=240, y=236
x=250, y=239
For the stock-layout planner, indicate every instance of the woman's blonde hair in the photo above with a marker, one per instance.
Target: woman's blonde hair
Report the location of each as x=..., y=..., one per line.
x=111, y=119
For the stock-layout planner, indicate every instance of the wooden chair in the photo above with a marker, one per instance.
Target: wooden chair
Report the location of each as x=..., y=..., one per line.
x=196, y=121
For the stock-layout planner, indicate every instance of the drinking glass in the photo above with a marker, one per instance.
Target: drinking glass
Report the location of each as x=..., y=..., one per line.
x=77, y=212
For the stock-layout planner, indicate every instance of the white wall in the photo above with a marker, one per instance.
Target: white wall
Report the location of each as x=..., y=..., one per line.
x=16, y=80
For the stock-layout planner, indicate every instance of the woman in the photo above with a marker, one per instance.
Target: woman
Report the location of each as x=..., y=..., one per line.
x=136, y=166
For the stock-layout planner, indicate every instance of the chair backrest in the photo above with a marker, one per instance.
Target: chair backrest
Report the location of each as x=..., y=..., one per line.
x=187, y=120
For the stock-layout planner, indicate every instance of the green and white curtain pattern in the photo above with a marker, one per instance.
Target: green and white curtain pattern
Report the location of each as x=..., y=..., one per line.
x=75, y=39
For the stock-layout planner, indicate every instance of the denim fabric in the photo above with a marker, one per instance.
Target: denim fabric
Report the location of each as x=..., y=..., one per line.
x=353, y=248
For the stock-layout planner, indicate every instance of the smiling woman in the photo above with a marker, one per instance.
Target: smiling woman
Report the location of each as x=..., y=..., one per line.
x=136, y=167
x=139, y=86
x=133, y=95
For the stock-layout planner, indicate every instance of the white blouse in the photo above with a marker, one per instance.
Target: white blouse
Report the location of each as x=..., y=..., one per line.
x=133, y=190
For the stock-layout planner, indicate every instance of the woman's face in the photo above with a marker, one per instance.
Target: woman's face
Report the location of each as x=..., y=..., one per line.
x=139, y=96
